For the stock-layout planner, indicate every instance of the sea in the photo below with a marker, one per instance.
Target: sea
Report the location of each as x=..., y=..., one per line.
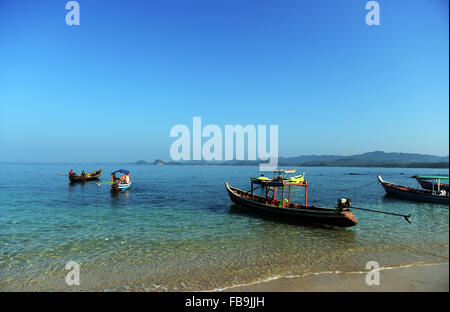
x=176, y=229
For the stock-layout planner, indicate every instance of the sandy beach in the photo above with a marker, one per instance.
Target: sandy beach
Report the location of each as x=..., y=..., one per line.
x=420, y=278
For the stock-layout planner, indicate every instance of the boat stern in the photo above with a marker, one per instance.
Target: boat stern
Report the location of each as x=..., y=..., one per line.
x=350, y=218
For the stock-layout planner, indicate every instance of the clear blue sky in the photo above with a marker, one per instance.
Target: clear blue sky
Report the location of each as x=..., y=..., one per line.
x=133, y=69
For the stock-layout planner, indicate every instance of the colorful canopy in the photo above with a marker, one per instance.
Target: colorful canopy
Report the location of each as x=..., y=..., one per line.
x=121, y=171
x=284, y=170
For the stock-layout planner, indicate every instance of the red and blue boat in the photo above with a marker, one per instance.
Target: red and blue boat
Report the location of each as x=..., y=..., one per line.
x=122, y=183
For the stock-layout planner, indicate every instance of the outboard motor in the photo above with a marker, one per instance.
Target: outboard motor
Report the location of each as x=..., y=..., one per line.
x=344, y=203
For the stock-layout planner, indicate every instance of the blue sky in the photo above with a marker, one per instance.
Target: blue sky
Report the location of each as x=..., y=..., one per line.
x=112, y=88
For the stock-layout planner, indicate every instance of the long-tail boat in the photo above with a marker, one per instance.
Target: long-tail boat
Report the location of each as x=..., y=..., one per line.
x=441, y=197
x=341, y=216
x=83, y=177
x=120, y=184
x=433, y=183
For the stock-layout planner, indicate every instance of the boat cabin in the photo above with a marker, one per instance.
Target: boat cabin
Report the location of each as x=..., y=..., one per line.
x=121, y=179
x=281, y=179
x=286, y=174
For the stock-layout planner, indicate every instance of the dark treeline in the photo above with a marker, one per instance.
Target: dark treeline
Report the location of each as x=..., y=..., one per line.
x=320, y=164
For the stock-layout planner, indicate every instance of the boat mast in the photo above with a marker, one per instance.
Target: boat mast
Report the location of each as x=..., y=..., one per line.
x=306, y=194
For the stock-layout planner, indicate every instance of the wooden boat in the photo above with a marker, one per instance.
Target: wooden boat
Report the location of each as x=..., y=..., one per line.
x=433, y=183
x=120, y=184
x=83, y=177
x=415, y=194
x=341, y=216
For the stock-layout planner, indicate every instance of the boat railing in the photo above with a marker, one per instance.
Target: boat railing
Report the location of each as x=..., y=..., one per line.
x=272, y=185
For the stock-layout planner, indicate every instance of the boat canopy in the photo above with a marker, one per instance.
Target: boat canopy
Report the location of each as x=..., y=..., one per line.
x=284, y=170
x=433, y=177
x=121, y=171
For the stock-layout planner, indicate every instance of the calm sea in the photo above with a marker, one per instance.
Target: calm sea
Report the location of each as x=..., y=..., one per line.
x=176, y=229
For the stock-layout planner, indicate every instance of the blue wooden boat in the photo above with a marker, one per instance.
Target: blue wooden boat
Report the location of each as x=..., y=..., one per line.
x=441, y=197
x=433, y=183
x=122, y=183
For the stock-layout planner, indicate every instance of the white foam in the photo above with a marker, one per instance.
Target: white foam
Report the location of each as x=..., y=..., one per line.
x=321, y=273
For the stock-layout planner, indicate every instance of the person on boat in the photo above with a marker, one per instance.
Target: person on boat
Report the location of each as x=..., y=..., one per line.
x=71, y=172
x=123, y=178
x=83, y=175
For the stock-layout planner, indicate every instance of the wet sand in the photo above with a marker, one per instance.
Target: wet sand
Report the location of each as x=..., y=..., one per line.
x=421, y=278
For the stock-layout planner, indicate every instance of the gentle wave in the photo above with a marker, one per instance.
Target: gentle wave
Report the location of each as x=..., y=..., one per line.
x=269, y=279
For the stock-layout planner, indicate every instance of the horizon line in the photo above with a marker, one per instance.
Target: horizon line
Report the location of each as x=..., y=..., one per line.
x=201, y=160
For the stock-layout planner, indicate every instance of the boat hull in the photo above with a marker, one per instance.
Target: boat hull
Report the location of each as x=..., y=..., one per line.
x=412, y=194
x=302, y=214
x=90, y=176
x=120, y=187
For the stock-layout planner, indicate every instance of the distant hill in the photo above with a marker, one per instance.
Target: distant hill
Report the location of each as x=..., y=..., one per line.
x=141, y=162
x=377, y=156
x=371, y=159
x=157, y=162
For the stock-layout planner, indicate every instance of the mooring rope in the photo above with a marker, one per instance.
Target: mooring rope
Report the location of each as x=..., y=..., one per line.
x=355, y=188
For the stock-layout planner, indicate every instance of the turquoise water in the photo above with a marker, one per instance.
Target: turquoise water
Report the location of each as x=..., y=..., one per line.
x=176, y=228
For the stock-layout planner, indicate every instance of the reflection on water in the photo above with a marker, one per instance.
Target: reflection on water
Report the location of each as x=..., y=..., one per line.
x=279, y=219
x=177, y=229
x=73, y=185
x=120, y=199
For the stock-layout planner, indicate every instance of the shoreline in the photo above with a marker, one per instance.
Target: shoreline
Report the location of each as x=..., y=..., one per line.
x=431, y=277
x=410, y=278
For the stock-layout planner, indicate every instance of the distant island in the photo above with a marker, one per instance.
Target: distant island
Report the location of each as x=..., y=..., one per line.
x=371, y=159
x=377, y=159
x=157, y=162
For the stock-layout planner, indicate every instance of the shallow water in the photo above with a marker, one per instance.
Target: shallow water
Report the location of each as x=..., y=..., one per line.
x=176, y=228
